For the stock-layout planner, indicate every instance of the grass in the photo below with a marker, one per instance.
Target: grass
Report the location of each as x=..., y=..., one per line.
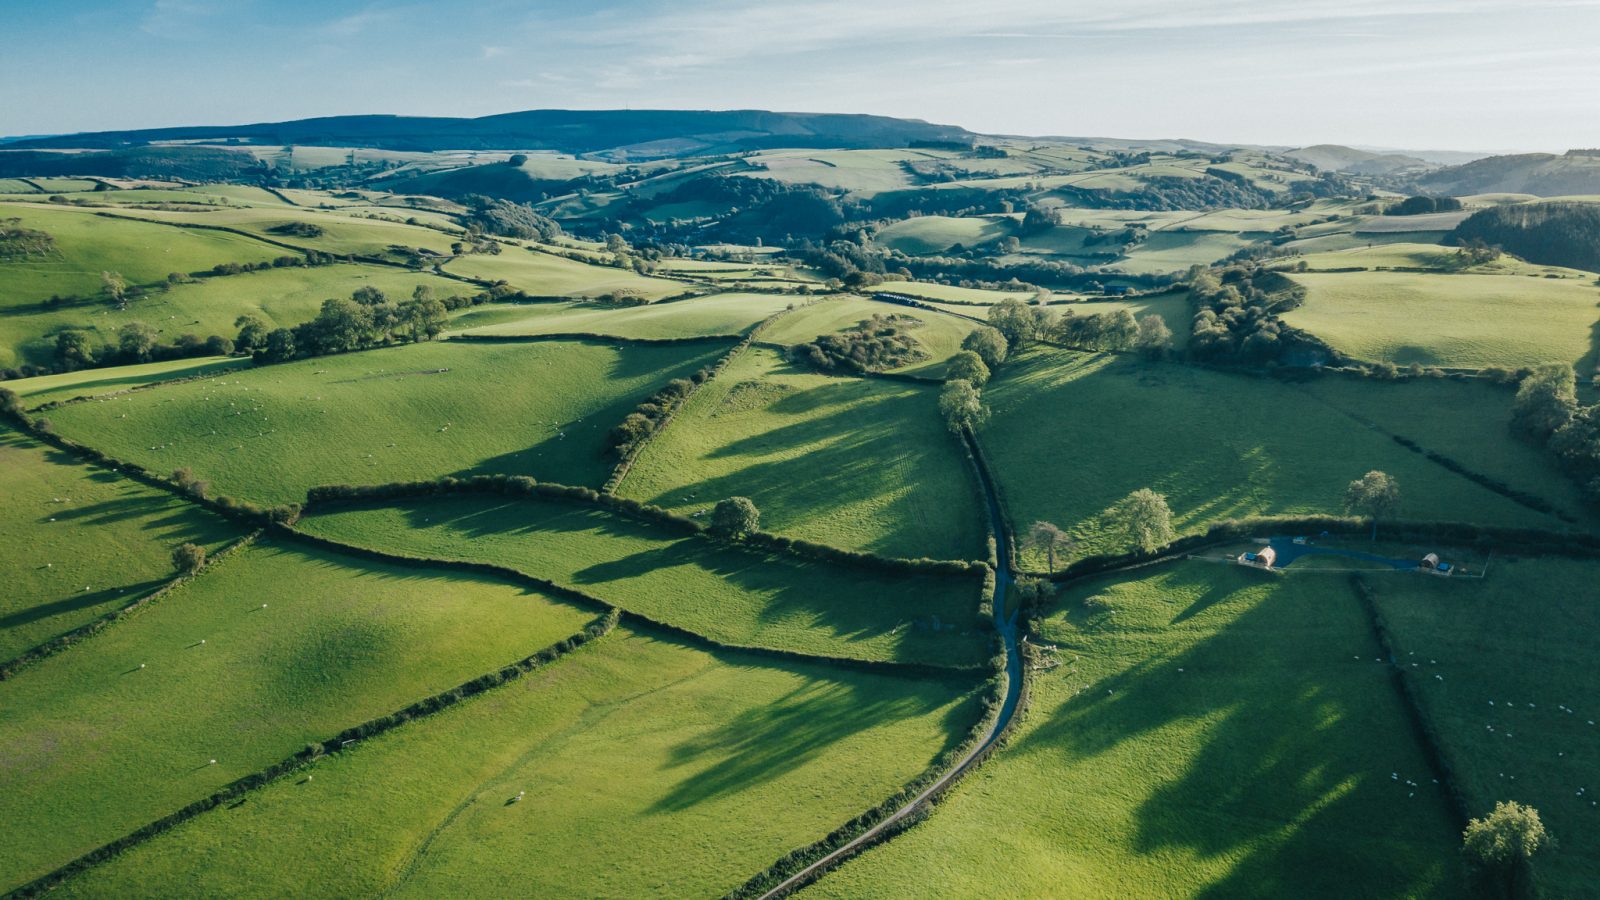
x=713, y=315
x=1467, y=321
x=953, y=294
x=544, y=275
x=938, y=337
x=87, y=244
x=926, y=235
x=80, y=542
x=341, y=234
x=1512, y=651
x=1173, y=251
x=98, y=746
x=648, y=766
x=733, y=596
x=418, y=411
x=87, y=382
x=1072, y=434
x=856, y=463
x=859, y=463
x=280, y=297
x=1210, y=732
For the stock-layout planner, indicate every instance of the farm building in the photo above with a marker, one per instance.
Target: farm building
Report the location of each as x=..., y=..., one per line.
x=1431, y=565
x=1261, y=559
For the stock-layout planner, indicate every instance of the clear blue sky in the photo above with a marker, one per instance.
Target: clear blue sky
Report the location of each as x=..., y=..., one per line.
x=1424, y=74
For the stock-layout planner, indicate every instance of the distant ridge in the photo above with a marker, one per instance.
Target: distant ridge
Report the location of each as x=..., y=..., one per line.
x=621, y=134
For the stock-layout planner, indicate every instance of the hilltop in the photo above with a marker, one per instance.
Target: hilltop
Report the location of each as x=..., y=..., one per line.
x=1539, y=174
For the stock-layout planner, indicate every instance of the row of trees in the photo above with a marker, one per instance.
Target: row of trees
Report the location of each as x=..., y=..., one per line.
x=136, y=342
x=367, y=319
x=1023, y=324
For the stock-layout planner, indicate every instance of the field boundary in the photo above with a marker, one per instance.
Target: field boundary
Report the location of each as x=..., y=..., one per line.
x=60, y=642
x=149, y=385
x=318, y=749
x=590, y=336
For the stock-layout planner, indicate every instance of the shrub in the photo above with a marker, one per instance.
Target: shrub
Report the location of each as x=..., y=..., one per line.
x=735, y=517
x=188, y=558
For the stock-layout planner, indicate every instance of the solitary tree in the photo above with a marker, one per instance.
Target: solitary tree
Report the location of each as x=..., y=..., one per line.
x=188, y=558
x=1051, y=540
x=1374, y=495
x=969, y=366
x=116, y=287
x=1145, y=519
x=517, y=159
x=1546, y=399
x=1154, y=338
x=735, y=517
x=962, y=405
x=1500, y=848
x=988, y=344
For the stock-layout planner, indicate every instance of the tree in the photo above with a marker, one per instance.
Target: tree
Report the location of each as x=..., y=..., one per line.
x=1154, y=338
x=962, y=405
x=136, y=340
x=278, y=347
x=1374, y=495
x=252, y=333
x=1500, y=848
x=186, y=482
x=341, y=325
x=1051, y=540
x=1546, y=399
x=1145, y=519
x=989, y=344
x=517, y=159
x=217, y=345
x=73, y=350
x=115, y=286
x=735, y=517
x=188, y=558
x=367, y=295
x=423, y=319
x=1021, y=323
x=968, y=366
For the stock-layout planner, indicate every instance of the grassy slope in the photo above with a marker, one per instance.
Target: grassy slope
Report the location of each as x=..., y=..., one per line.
x=417, y=411
x=90, y=382
x=1210, y=736
x=340, y=646
x=80, y=542
x=926, y=235
x=544, y=275
x=715, y=314
x=860, y=463
x=279, y=297
x=953, y=294
x=939, y=336
x=1072, y=434
x=87, y=244
x=648, y=767
x=1523, y=640
x=341, y=233
x=1471, y=321
x=733, y=596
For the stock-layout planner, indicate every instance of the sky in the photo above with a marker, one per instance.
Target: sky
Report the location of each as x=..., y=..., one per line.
x=1480, y=75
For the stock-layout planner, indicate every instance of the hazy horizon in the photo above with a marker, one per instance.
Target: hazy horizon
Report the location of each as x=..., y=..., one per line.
x=1476, y=75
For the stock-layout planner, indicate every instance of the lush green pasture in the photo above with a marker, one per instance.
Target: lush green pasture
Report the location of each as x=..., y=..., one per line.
x=98, y=746
x=925, y=235
x=80, y=542
x=544, y=275
x=1210, y=732
x=738, y=597
x=1072, y=434
x=86, y=382
x=860, y=171
x=861, y=463
x=952, y=294
x=644, y=766
x=938, y=337
x=417, y=411
x=280, y=297
x=1465, y=421
x=1175, y=251
x=87, y=244
x=712, y=315
x=341, y=234
x=1470, y=321
x=1506, y=671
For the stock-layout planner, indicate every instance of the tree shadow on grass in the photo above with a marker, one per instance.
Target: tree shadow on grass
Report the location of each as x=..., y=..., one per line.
x=1263, y=743
x=76, y=602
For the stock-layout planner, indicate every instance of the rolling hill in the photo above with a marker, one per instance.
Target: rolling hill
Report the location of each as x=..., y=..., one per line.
x=1540, y=174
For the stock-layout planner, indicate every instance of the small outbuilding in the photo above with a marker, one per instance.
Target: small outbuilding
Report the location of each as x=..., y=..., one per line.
x=1431, y=565
x=1261, y=559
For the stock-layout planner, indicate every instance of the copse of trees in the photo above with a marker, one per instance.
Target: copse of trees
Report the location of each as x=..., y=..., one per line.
x=508, y=219
x=1022, y=324
x=1554, y=233
x=879, y=343
x=1236, y=318
x=137, y=342
x=1114, y=330
x=1546, y=411
x=367, y=319
x=1421, y=206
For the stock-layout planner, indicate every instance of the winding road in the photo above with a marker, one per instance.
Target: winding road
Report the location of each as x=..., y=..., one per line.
x=1005, y=622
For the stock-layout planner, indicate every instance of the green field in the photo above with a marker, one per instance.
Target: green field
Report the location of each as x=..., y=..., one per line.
x=953, y=294
x=1464, y=321
x=648, y=767
x=938, y=337
x=737, y=597
x=87, y=244
x=860, y=463
x=280, y=297
x=1210, y=731
x=1513, y=653
x=88, y=382
x=418, y=411
x=545, y=275
x=98, y=746
x=1072, y=434
x=80, y=542
x=341, y=234
x=928, y=235
x=712, y=315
